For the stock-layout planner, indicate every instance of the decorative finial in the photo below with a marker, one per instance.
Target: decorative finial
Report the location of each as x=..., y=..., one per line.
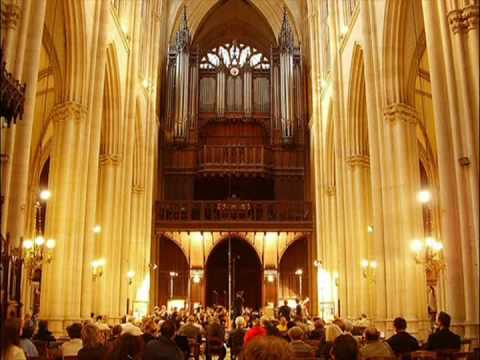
x=285, y=38
x=183, y=34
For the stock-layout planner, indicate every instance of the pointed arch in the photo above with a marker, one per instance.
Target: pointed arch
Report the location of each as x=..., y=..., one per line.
x=112, y=105
x=357, y=127
x=75, y=51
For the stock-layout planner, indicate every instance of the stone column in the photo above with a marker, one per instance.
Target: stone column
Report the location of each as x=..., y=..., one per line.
x=23, y=133
x=447, y=164
x=8, y=135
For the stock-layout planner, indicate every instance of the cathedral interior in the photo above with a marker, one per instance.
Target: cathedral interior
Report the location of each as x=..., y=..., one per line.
x=176, y=152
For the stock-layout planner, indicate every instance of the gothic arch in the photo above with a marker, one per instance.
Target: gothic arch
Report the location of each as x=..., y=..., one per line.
x=198, y=10
x=111, y=123
x=232, y=235
x=357, y=127
x=398, y=50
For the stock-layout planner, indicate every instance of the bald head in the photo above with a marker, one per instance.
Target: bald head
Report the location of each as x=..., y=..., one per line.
x=371, y=334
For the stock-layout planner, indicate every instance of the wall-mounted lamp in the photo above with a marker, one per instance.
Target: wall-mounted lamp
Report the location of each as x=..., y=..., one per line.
x=368, y=269
x=196, y=276
x=97, y=268
x=97, y=229
x=430, y=254
x=270, y=275
x=424, y=196
x=130, y=276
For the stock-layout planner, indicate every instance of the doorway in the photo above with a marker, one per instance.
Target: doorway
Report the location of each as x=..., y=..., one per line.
x=246, y=272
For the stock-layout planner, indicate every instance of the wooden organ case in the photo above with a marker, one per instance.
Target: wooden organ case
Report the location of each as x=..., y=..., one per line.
x=234, y=121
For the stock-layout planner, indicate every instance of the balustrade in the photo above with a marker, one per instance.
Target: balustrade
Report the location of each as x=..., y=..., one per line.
x=234, y=158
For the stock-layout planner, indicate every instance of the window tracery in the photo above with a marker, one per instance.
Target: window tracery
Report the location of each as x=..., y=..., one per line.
x=235, y=55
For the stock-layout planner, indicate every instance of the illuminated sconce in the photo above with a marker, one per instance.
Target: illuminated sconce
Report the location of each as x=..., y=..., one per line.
x=196, y=276
x=424, y=196
x=370, y=229
x=97, y=229
x=430, y=254
x=317, y=263
x=45, y=194
x=343, y=30
x=97, y=268
x=270, y=275
x=368, y=269
x=130, y=276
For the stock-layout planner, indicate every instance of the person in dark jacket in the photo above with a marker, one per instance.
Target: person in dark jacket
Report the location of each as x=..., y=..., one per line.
x=163, y=348
x=235, y=340
x=284, y=311
x=443, y=338
x=43, y=334
x=402, y=342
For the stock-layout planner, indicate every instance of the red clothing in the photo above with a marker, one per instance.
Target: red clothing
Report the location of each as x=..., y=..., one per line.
x=254, y=331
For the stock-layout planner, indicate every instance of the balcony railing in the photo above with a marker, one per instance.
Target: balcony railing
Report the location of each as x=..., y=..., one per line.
x=234, y=158
x=174, y=213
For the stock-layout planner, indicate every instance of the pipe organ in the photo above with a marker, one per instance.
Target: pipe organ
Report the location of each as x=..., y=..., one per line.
x=239, y=96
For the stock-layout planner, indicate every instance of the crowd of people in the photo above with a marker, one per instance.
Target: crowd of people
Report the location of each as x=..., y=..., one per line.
x=204, y=332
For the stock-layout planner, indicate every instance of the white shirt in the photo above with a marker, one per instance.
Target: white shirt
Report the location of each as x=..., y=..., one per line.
x=71, y=347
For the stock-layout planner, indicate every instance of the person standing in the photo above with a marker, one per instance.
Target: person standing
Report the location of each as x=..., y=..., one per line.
x=284, y=311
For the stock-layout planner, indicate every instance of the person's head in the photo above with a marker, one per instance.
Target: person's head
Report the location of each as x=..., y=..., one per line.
x=10, y=333
x=297, y=300
x=167, y=329
x=283, y=320
x=295, y=333
x=42, y=325
x=191, y=319
x=98, y=318
x=27, y=331
x=90, y=336
x=116, y=331
x=267, y=348
x=74, y=331
x=150, y=327
x=371, y=334
x=240, y=322
x=318, y=324
x=339, y=323
x=443, y=320
x=399, y=324
x=348, y=326
x=128, y=347
x=256, y=322
x=344, y=347
x=285, y=302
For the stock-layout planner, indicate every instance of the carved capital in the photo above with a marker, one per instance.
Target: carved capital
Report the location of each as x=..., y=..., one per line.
x=399, y=111
x=358, y=160
x=463, y=20
x=472, y=15
x=110, y=159
x=10, y=16
x=68, y=110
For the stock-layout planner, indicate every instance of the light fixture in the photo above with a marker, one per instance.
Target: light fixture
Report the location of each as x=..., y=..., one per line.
x=424, y=196
x=37, y=252
x=299, y=272
x=429, y=253
x=370, y=229
x=145, y=83
x=97, y=229
x=344, y=30
x=130, y=275
x=97, y=268
x=317, y=263
x=270, y=275
x=45, y=194
x=368, y=269
x=196, y=275
x=323, y=83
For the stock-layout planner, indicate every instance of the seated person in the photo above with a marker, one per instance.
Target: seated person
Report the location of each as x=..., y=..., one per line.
x=92, y=348
x=235, y=340
x=374, y=347
x=72, y=346
x=443, y=338
x=318, y=332
x=267, y=348
x=344, y=347
x=282, y=325
x=149, y=331
x=298, y=347
x=163, y=347
x=25, y=341
x=215, y=340
x=402, y=342
x=43, y=334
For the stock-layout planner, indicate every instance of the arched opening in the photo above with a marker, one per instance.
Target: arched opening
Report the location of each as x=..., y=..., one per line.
x=246, y=272
x=295, y=258
x=171, y=260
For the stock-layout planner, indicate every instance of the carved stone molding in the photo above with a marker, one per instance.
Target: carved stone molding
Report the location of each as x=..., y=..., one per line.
x=138, y=189
x=399, y=111
x=110, y=159
x=68, y=110
x=358, y=160
x=10, y=16
x=463, y=20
